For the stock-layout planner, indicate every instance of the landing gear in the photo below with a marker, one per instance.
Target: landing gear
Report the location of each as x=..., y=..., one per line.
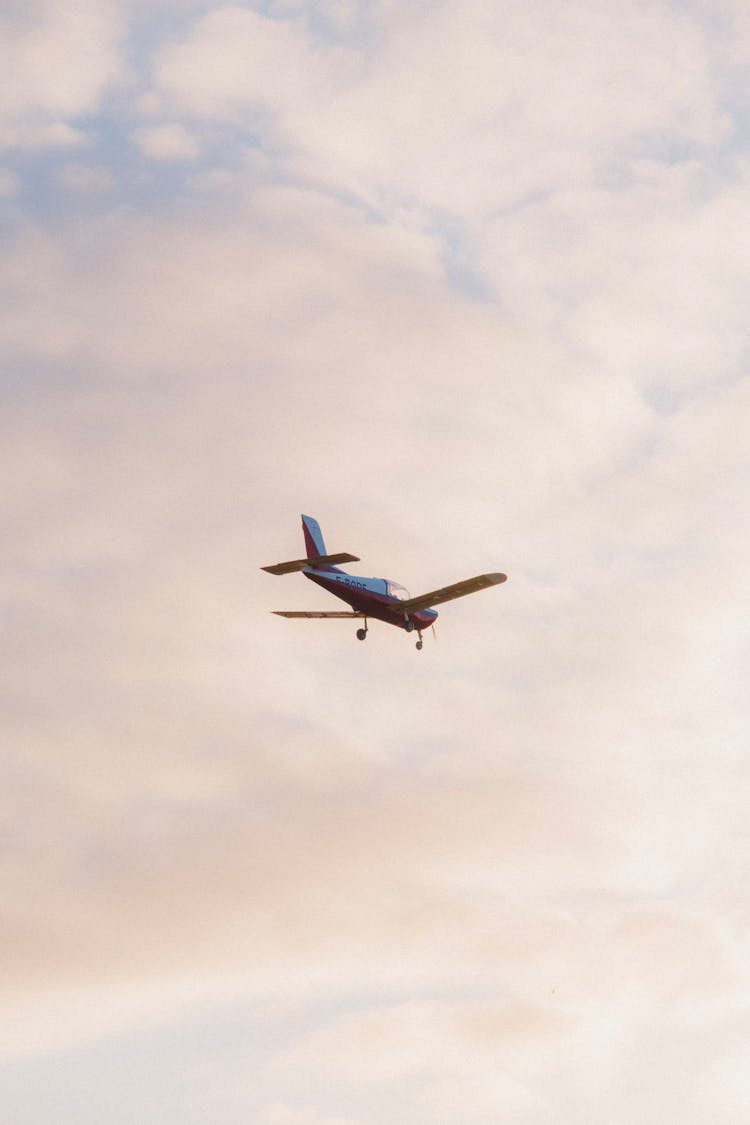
x=362, y=633
x=409, y=626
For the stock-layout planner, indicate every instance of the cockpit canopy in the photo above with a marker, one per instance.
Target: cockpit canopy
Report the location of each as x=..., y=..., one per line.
x=397, y=591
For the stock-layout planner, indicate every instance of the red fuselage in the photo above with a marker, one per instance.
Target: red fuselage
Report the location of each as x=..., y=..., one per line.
x=370, y=597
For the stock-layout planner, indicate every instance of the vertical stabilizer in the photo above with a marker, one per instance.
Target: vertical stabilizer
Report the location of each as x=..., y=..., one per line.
x=314, y=545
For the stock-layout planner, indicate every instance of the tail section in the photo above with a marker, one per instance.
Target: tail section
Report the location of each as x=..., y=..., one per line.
x=322, y=562
x=314, y=545
x=316, y=553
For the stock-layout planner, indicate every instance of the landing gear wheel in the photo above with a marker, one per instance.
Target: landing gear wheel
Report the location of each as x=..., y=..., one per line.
x=409, y=626
x=361, y=634
x=419, y=644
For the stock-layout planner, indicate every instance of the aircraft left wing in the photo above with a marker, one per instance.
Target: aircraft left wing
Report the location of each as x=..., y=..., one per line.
x=448, y=593
x=314, y=613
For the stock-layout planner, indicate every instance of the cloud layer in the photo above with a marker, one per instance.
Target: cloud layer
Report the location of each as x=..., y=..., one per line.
x=468, y=283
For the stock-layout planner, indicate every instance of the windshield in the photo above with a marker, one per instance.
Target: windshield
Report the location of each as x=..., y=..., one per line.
x=397, y=591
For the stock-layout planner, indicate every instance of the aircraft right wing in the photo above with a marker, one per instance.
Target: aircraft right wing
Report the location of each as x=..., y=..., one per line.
x=448, y=593
x=314, y=613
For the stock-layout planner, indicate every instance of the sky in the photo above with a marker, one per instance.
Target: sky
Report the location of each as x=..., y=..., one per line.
x=468, y=282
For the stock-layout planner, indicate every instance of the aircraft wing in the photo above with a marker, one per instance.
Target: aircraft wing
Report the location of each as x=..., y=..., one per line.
x=448, y=593
x=318, y=560
x=314, y=613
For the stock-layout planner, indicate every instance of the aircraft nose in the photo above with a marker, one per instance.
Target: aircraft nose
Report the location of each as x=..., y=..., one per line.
x=426, y=616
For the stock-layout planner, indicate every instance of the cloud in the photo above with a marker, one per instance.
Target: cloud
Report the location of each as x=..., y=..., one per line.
x=637, y=280
x=494, y=113
x=281, y=1114
x=331, y=882
x=490, y=1056
x=57, y=65
x=86, y=178
x=10, y=184
x=235, y=60
x=167, y=142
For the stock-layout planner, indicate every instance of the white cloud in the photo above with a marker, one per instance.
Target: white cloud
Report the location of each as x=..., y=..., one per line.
x=282, y=1114
x=56, y=63
x=463, y=108
x=54, y=135
x=167, y=142
x=234, y=61
x=501, y=877
x=86, y=178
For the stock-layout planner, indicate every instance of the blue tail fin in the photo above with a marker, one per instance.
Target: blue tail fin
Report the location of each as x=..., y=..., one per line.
x=314, y=545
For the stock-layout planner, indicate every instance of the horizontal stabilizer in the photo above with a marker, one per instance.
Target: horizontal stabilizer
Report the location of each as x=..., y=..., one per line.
x=448, y=593
x=313, y=613
x=318, y=560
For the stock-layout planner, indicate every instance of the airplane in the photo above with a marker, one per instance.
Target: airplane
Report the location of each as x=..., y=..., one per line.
x=378, y=598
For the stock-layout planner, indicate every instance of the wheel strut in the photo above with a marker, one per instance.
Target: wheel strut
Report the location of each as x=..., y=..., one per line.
x=362, y=633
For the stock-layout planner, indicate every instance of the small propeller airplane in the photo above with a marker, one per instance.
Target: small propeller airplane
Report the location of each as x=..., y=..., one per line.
x=378, y=598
